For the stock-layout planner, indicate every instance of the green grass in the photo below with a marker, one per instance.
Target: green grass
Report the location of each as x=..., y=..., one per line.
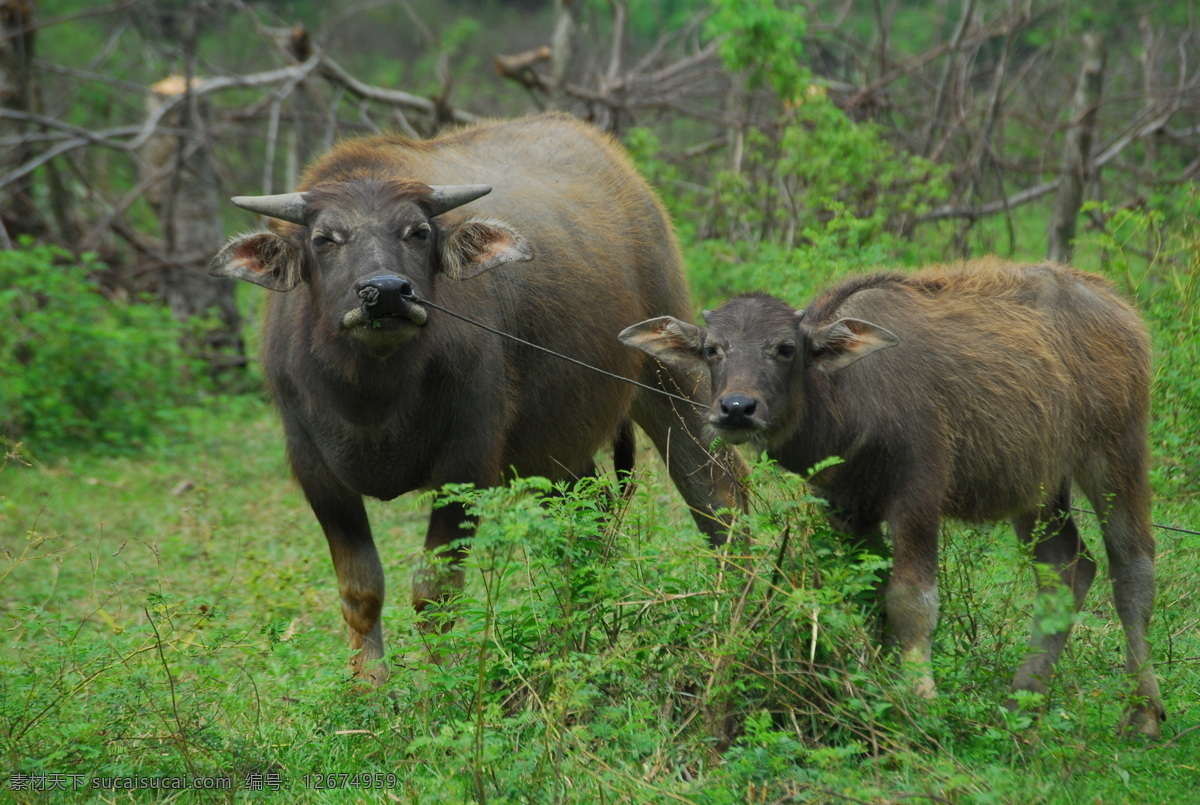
x=177, y=615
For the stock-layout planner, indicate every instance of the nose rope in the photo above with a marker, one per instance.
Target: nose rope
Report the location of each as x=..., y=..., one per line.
x=414, y=298
x=568, y=358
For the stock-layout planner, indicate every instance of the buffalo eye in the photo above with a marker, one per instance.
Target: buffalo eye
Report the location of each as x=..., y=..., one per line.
x=320, y=241
x=785, y=351
x=420, y=232
x=711, y=352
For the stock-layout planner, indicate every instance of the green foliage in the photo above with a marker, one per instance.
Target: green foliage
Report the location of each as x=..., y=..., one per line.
x=78, y=370
x=831, y=161
x=592, y=635
x=1153, y=255
x=823, y=166
x=763, y=39
x=820, y=197
x=719, y=269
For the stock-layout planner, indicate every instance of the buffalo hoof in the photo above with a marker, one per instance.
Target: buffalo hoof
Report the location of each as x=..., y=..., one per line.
x=371, y=677
x=1143, y=720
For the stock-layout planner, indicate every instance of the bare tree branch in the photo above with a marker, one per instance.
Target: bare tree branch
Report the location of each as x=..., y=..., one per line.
x=332, y=71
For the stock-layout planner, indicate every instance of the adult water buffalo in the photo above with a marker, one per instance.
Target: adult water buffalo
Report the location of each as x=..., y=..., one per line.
x=994, y=387
x=562, y=245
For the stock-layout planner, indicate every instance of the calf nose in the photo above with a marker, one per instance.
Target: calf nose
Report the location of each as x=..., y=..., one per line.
x=737, y=409
x=384, y=295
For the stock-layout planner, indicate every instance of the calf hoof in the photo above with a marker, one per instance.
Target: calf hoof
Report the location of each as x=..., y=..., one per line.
x=924, y=687
x=918, y=675
x=1030, y=701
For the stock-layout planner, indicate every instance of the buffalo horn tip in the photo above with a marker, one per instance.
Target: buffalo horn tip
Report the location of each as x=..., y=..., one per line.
x=446, y=197
x=286, y=206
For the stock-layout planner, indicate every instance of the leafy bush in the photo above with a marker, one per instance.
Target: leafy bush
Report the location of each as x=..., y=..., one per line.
x=818, y=166
x=718, y=269
x=624, y=637
x=810, y=201
x=78, y=370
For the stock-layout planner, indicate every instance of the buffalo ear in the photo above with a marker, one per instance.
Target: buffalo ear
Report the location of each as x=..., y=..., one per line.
x=263, y=258
x=476, y=245
x=836, y=346
x=675, y=343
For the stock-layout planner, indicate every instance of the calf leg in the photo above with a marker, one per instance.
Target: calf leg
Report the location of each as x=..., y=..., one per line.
x=912, y=598
x=1129, y=543
x=1058, y=545
x=1117, y=484
x=869, y=537
x=1131, y=566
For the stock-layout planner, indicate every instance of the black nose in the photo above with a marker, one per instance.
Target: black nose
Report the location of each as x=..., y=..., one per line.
x=384, y=295
x=737, y=409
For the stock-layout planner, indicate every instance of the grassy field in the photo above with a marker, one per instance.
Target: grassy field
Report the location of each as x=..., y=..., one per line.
x=175, y=617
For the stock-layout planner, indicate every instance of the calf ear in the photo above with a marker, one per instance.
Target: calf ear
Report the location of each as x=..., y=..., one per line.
x=263, y=258
x=676, y=343
x=474, y=246
x=836, y=346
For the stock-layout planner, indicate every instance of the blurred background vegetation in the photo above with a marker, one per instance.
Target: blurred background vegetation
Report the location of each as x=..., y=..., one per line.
x=166, y=601
x=791, y=140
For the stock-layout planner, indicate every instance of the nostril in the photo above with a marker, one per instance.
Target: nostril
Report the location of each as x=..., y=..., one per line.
x=369, y=294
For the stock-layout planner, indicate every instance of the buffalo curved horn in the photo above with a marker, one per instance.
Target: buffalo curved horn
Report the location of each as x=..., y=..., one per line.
x=286, y=206
x=448, y=196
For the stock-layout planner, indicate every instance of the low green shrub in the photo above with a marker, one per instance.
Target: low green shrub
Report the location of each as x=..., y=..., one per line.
x=79, y=370
x=1152, y=254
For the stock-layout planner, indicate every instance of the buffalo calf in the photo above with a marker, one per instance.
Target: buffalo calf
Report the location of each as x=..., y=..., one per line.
x=994, y=387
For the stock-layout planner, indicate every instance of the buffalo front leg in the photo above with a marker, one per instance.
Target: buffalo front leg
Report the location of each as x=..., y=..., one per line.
x=359, y=573
x=710, y=481
x=440, y=575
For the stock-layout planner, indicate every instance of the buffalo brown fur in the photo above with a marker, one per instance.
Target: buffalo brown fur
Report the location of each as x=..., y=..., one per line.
x=569, y=246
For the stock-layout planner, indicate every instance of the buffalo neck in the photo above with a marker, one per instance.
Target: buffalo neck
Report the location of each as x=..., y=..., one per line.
x=370, y=390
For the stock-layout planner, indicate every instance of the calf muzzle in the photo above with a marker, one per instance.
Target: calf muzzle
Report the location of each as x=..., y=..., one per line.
x=737, y=411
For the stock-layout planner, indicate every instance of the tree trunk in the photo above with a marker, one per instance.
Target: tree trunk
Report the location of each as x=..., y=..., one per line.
x=562, y=48
x=1077, y=150
x=16, y=53
x=186, y=202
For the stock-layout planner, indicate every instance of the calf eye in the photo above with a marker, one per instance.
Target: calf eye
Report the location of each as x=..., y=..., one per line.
x=710, y=351
x=785, y=350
